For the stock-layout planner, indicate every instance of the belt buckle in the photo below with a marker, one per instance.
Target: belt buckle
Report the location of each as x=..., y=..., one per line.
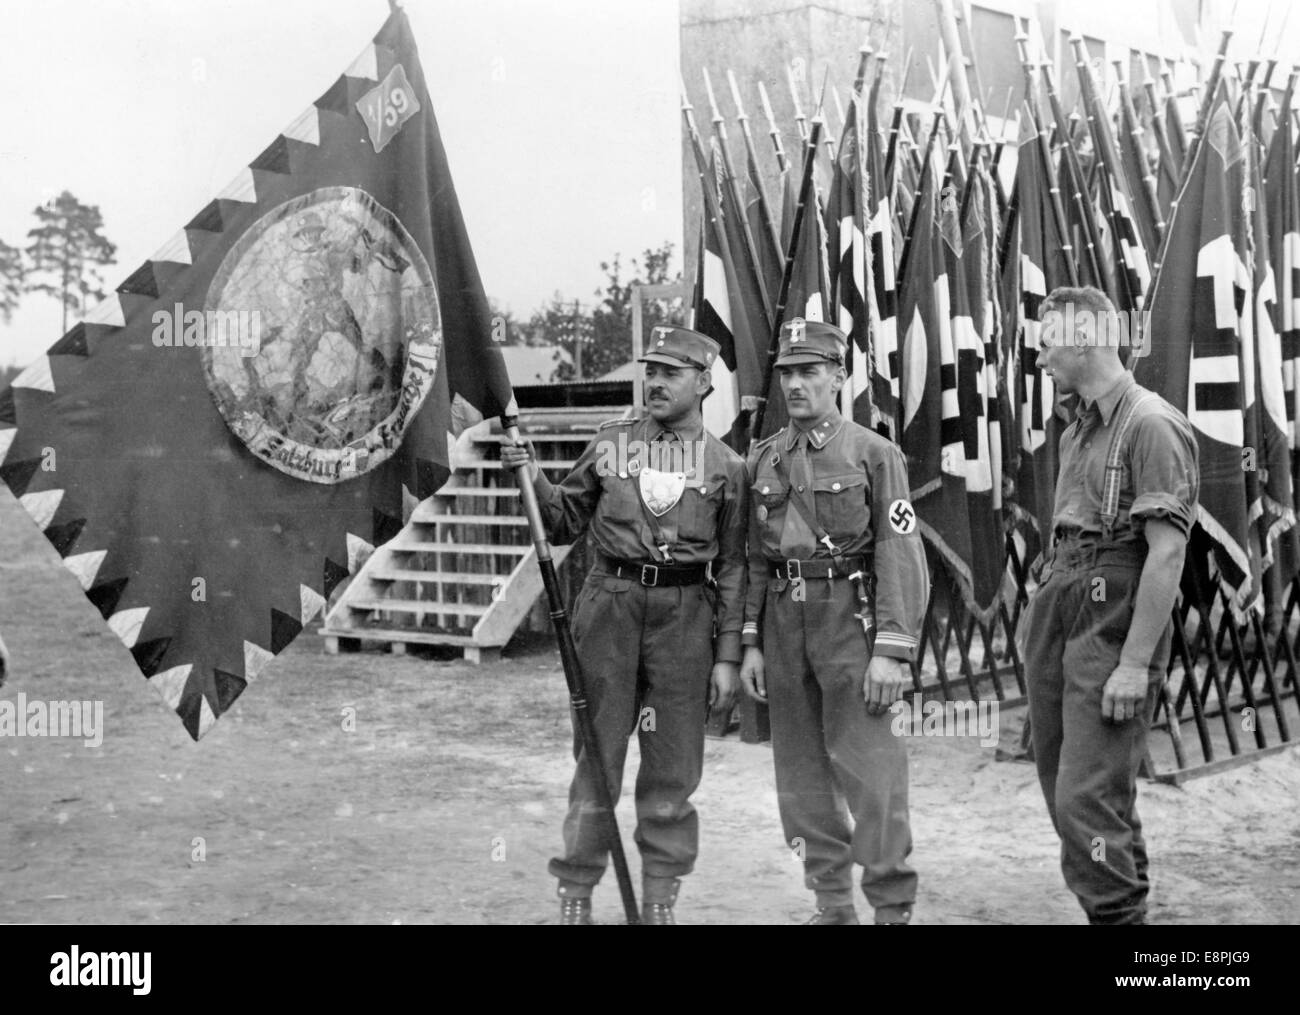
x=654, y=580
x=793, y=571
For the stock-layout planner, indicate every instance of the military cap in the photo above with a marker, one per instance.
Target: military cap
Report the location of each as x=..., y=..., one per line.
x=810, y=342
x=680, y=346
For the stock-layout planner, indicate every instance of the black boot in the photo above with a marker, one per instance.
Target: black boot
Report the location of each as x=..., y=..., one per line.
x=575, y=911
x=659, y=895
x=657, y=914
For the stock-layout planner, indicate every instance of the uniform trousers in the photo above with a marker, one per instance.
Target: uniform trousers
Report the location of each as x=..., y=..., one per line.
x=646, y=655
x=1076, y=623
x=834, y=761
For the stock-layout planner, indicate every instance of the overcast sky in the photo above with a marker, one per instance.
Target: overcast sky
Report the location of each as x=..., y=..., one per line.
x=560, y=119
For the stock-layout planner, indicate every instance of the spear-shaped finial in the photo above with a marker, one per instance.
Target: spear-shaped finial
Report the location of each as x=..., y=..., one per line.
x=773, y=131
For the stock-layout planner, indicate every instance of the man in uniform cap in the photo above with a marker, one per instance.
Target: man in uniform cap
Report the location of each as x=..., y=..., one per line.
x=837, y=592
x=657, y=637
x=1097, y=627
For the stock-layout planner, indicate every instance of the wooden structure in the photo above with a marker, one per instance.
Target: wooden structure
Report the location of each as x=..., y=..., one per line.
x=463, y=571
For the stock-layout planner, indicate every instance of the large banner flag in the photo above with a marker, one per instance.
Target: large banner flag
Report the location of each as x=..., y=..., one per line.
x=882, y=299
x=224, y=439
x=1143, y=188
x=1043, y=266
x=933, y=434
x=715, y=282
x=810, y=288
x=1282, y=199
x=922, y=286
x=849, y=261
x=977, y=386
x=1271, y=462
x=711, y=315
x=1194, y=354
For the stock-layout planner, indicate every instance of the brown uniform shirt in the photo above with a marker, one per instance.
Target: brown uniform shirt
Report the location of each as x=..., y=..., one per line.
x=1160, y=477
x=858, y=479
x=706, y=525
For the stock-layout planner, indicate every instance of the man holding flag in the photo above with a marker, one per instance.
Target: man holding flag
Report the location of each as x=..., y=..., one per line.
x=665, y=504
x=1097, y=627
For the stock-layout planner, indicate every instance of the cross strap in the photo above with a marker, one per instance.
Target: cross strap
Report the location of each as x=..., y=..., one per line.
x=652, y=520
x=807, y=509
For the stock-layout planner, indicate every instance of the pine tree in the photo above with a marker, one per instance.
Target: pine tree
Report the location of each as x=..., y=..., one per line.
x=66, y=251
x=11, y=280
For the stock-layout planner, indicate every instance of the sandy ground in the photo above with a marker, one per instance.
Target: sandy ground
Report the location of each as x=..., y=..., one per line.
x=444, y=803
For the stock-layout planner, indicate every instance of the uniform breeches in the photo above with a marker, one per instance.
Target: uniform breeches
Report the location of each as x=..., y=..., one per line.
x=646, y=656
x=832, y=759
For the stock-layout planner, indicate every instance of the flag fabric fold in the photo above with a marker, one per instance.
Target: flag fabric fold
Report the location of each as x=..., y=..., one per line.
x=1194, y=349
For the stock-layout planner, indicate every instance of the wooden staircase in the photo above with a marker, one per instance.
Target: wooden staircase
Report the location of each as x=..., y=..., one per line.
x=463, y=571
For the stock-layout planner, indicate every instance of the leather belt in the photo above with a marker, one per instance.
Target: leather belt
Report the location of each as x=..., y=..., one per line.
x=824, y=568
x=1073, y=554
x=653, y=575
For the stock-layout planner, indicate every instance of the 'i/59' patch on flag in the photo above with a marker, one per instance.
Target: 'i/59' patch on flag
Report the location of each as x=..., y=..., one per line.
x=388, y=106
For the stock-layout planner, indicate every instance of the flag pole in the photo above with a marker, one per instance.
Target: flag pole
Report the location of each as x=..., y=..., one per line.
x=1045, y=159
x=765, y=215
x=905, y=255
x=773, y=131
x=573, y=677
x=1207, y=105
x=753, y=263
x=1076, y=182
x=773, y=346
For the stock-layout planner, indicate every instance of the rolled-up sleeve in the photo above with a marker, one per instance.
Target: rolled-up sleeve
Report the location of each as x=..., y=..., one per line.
x=1165, y=473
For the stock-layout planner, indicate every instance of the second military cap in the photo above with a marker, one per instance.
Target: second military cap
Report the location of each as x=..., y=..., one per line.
x=810, y=342
x=680, y=346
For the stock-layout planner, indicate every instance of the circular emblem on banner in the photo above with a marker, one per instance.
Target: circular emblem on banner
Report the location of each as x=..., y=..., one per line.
x=327, y=335
x=902, y=517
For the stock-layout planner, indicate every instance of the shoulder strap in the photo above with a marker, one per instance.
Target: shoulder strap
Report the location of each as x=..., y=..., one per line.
x=1115, y=466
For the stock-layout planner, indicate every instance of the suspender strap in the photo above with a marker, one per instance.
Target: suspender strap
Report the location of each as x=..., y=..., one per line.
x=1115, y=466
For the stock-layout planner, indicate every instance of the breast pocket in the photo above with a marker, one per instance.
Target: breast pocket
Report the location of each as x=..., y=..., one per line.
x=619, y=498
x=842, y=503
x=701, y=503
x=768, y=492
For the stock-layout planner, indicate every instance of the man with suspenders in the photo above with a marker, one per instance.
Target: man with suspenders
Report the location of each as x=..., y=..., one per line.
x=657, y=623
x=837, y=593
x=1097, y=628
